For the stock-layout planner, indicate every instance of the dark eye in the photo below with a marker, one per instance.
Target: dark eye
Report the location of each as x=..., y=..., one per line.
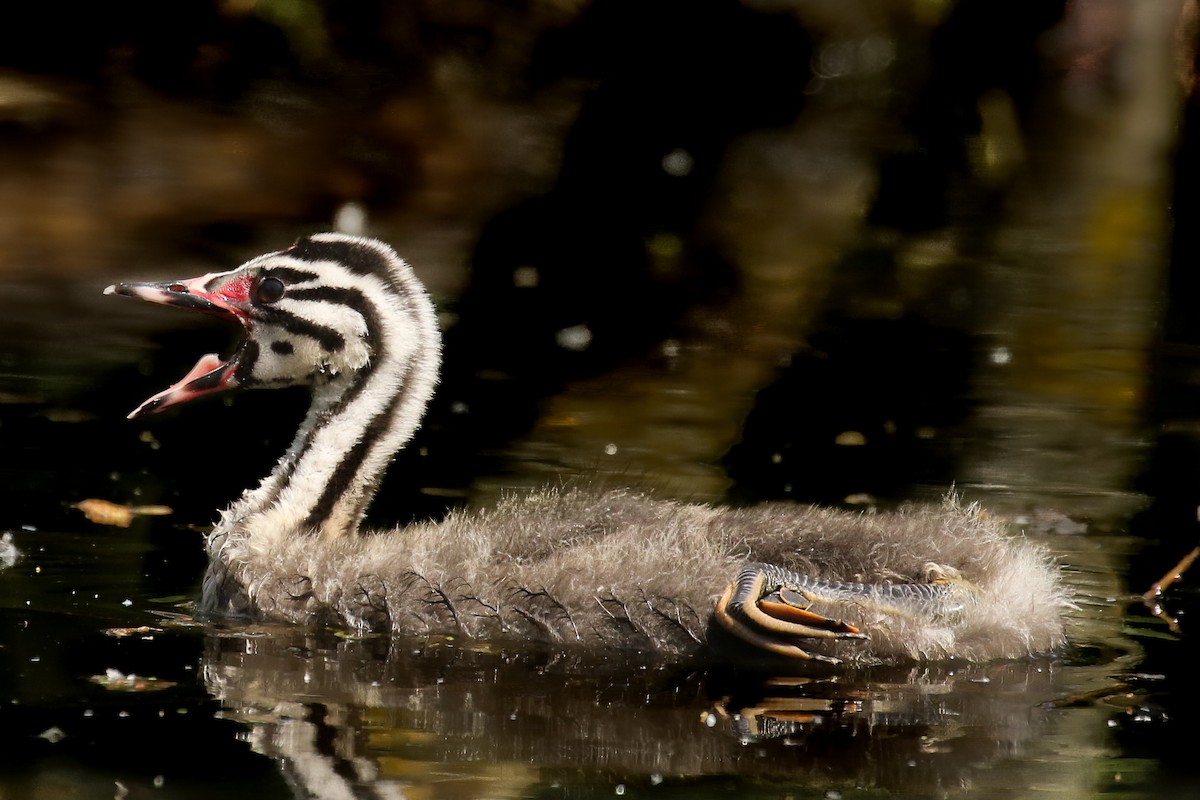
x=268, y=291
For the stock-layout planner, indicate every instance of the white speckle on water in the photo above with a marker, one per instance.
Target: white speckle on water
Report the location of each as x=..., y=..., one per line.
x=577, y=338
x=53, y=735
x=526, y=277
x=678, y=163
x=8, y=551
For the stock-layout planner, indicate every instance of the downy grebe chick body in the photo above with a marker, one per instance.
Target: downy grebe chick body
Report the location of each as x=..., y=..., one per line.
x=348, y=317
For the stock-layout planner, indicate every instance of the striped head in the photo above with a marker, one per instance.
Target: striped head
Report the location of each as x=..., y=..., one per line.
x=318, y=313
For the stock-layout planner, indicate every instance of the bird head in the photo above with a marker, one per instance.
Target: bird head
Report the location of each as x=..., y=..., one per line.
x=311, y=314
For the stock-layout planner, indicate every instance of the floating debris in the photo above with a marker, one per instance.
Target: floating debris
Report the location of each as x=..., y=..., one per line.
x=173, y=619
x=53, y=734
x=117, y=681
x=146, y=631
x=8, y=551
x=850, y=439
x=104, y=512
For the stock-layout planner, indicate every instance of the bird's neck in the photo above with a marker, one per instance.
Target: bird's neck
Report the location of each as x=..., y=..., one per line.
x=326, y=479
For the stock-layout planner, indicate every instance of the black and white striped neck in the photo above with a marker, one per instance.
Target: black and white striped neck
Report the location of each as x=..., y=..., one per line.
x=360, y=309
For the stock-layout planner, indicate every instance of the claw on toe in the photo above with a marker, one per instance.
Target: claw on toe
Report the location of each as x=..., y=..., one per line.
x=772, y=617
x=786, y=605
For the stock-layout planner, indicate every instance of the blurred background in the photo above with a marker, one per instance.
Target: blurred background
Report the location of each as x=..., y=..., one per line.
x=859, y=252
x=835, y=252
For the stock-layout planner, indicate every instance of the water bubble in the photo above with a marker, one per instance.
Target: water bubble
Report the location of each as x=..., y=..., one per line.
x=576, y=337
x=350, y=218
x=678, y=163
x=526, y=277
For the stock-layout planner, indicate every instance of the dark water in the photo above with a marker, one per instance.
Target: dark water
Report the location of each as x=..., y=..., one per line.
x=899, y=274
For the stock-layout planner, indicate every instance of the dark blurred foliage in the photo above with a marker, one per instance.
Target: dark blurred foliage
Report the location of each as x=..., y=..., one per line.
x=220, y=50
x=1171, y=479
x=902, y=382
x=675, y=78
x=610, y=255
x=672, y=80
x=979, y=47
x=188, y=47
x=1171, y=475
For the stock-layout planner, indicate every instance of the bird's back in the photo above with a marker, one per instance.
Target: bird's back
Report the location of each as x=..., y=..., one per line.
x=620, y=569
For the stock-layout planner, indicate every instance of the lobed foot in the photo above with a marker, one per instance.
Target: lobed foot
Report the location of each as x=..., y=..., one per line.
x=768, y=607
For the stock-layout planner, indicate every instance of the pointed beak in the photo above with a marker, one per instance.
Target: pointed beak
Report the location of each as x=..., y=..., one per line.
x=211, y=373
x=188, y=294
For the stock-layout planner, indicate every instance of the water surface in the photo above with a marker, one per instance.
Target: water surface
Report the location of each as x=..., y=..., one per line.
x=821, y=325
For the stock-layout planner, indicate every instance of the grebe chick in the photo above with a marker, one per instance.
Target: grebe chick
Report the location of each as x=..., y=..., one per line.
x=347, y=316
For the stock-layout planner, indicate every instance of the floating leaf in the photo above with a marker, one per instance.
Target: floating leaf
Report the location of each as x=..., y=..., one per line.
x=104, y=512
x=141, y=630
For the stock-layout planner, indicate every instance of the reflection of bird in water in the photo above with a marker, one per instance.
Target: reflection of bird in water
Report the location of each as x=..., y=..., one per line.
x=402, y=721
x=346, y=316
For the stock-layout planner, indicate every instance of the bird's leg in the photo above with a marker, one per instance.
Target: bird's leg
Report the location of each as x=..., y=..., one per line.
x=763, y=607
